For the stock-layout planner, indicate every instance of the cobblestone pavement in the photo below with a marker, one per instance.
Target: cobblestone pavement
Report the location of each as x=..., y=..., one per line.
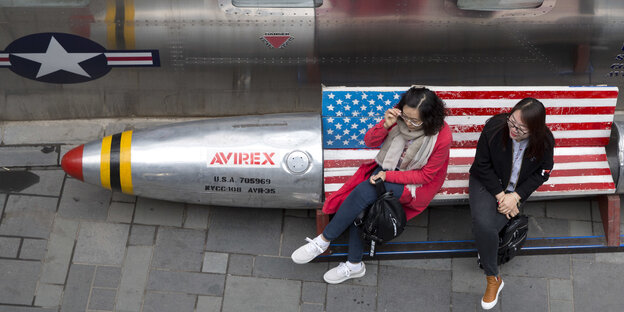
x=70, y=246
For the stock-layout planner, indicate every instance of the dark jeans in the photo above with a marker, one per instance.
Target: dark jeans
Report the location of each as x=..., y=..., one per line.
x=487, y=222
x=360, y=198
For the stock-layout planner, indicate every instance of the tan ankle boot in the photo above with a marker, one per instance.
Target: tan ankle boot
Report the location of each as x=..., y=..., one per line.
x=494, y=286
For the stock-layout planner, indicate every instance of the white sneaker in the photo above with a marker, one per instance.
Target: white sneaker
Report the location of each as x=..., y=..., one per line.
x=307, y=252
x=342, y=273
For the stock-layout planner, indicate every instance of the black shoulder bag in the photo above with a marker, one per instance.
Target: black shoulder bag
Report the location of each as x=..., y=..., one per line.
x=383, y=220
x=511, y=239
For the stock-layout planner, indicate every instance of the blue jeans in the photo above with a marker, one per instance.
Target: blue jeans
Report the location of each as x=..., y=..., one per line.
x=360, y=198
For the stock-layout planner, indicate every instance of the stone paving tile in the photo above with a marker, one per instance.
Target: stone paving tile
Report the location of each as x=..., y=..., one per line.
x=299, y=213
x=124, y=198
x=547, y=227
x=560, y=289
x=580, y=228
x=561, y=306
x=466, y=302
x=18, y=282
x=3, y=198
x=185, y=282
x=156, y=302
x=102, y=299
x=23, y=156
x=240, y=264
x=84, y=201
x=107, y=276
x=571, y=209
x=48, y=295
x=425, y=264
x=158, y=212
x=28, y=216
x=50, y=183
x=449, y=223
x=179, y=249
x=215, y=262
x=245, y=230
x=313, y=292
x=197, y=217
x=535, y=209
x=553, y=266
x=76, y=294
x=275, y=267
x=435, y=293
x=6, y=308
x=142, y=235
x=584, y=257
x=252, y=294
x=294, y=233
x=312, y=307
x=369, y=279
x=209, y=304
x=610, y=257
x=598, y=286
x=101, y=243
x=120, y=212
x=134, y=274
x=519, y=291
x=467, y=276
x=33, y=249
x=59, y=251
x=352, y=298
x=9, y=246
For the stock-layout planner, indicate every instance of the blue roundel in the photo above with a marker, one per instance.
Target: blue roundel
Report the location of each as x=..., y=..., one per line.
x=57, y=58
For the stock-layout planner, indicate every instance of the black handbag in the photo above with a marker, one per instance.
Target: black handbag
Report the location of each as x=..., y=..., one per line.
x=512, y=237
x=383, y=220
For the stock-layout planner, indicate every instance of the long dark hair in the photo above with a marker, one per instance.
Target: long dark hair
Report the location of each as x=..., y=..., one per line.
x=431, y=108
x=533, y=115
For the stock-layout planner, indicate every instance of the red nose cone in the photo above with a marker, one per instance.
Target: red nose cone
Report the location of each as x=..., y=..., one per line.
x=72, y=162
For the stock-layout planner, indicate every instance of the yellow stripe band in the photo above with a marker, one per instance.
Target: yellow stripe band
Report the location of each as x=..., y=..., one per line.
x=125, y=170
x=105, y=162
x=111, y=41
x=129, y=24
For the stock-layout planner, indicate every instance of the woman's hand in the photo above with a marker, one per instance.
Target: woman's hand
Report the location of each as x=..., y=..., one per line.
x=380, y=174
x=508, y=205
x=390, y=117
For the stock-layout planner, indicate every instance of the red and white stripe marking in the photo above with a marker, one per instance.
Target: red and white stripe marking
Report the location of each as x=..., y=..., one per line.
x=4, y=59
x=129, y=58
x=579, y=117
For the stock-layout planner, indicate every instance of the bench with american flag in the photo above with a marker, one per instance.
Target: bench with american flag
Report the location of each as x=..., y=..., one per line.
x=579, y=117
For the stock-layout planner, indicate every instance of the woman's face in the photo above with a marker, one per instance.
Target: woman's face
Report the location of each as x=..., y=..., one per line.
x=412, y=117
x=517, y=128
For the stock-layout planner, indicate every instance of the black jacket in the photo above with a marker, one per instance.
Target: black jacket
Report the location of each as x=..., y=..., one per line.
x=492, y=165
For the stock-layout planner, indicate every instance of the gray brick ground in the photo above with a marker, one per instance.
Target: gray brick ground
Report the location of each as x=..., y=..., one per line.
x=560, y=289
x=9, y=246
x=299, y=213
x=610, y=257
x=449, y=223
x=18, y=282
x=107, y=276
x=33, y=249
x=56, y=131
x=3, y=198
x=561, y=306
x=48, y=295
x=215, y=262
x=249, y=294
x=123, y=198
x=467, y=302
x=344, y=297
x=133, y=278
x=84, y=201
x=553, y=266
x=50, y=183
x=76, y=294
x=59, y=251
x=196, y=217
x=240, y=264
x=295, y=231
x=245, y=230
x=274, y=267
x=179, y=249
x=547, y=227
x=28, y=216
x=101, y=243
x=312, y=307
x=571, y=209
x=28, y=156
x=6, y=308
x=598, y=286
x=185, y=282
x=519, y=291
x=209, y=304
x=393, y=295
x=467, y=276
x=102, y=299
x=369, y=279
x=313, y=292
x=142, y=235
x=425, y=264
x=156, y=302
x=120, y=212
x=158, y=212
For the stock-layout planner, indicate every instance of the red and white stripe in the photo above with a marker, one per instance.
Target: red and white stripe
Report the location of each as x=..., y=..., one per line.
x=4, y=59
x=579, y=117
x=129, y=58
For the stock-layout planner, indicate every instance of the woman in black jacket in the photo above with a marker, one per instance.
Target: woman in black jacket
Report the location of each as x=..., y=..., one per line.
x=514, y=157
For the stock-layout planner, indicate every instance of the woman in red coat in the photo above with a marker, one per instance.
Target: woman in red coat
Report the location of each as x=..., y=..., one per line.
x=412, y=162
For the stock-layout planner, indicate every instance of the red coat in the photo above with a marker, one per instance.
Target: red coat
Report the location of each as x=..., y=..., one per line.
x=431, y=175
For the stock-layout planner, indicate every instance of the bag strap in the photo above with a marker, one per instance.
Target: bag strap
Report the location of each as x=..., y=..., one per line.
x=380, y=187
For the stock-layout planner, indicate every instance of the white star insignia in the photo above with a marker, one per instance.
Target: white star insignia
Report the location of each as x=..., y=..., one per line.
x=338, y=136
x=338, y=114
x=380, y=96
x=356, y=102
x=348, y=96
x=345, y=142
x=330, y=131
x=347, y=107
x=379, y=107
x=354, y=137
x=362, y=142
x=356, y=113
x=371, y=114
x=371, y=102
x=396, y=96
x=339, y=102
x=338, y=126
x=362, y=120
x=330, y=119
x=347, y=120
x=363, y=107
x=364, y=95
x=330, y=142
x=378, y=119
x=387, y=102
x=331, y=96
x=57, y=58
x=362, y=131
x=346, y=131
x=354, y=126
x=370, y=126
x=330, y=107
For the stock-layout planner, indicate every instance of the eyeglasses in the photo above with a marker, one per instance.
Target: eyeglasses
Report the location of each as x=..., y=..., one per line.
x=413, y=121
x=512, y=124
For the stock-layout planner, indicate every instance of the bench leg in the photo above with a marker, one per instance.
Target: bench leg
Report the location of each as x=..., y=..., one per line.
x=610, y=214
x=322, y=220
